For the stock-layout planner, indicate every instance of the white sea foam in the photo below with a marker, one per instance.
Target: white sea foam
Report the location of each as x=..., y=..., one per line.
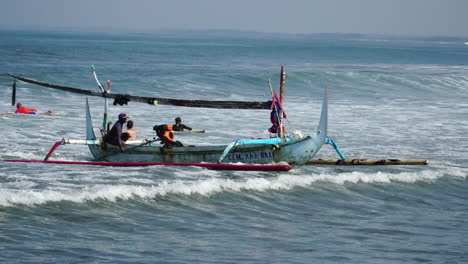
x=210, y=186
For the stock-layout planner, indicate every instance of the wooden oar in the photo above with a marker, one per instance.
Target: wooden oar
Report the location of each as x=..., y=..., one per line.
x=190, y=131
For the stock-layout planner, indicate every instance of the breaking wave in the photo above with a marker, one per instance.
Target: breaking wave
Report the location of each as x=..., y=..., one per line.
x=210, y=186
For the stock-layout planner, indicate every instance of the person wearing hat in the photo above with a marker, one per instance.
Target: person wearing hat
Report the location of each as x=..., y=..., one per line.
x=115, y=135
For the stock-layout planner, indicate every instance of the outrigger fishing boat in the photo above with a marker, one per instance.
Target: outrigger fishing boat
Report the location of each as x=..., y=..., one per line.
x=279, y=152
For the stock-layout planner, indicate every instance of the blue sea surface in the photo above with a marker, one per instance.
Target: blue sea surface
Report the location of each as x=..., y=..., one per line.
x=388, y=98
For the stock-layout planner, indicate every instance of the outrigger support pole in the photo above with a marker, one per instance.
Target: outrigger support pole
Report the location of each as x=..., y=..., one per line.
x=132, y=143
x=335, y=146
x=54, y=147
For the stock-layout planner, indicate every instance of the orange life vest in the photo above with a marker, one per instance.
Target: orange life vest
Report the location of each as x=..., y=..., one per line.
x=168, y=135
x=24, y=110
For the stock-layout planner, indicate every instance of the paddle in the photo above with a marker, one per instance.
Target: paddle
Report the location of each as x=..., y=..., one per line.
x=190, y=131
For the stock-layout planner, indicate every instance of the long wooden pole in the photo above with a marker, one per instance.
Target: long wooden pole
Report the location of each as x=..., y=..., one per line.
x=13, y=94
x=282, y=78
x=280, y=113
x=368, y=162
x=156, y=100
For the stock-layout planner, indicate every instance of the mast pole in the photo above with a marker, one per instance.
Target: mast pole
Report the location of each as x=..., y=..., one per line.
x=280, y=113
x=282, y=78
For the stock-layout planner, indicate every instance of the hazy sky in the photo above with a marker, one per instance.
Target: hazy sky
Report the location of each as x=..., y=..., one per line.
x=396, y=17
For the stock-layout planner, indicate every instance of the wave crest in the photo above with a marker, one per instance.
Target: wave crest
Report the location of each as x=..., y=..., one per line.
x=210, y=186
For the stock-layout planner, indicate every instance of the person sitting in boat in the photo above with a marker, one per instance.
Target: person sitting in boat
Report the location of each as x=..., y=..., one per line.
x=20, y=109
x=178, y=126
x=164, y=132
x=130, y=131
x=115, y=135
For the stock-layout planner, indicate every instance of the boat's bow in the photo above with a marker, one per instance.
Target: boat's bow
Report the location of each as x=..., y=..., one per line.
x=321, y=131
x=300, y=151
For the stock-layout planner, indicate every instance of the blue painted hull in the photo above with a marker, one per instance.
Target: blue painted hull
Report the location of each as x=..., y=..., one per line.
x=296, y=152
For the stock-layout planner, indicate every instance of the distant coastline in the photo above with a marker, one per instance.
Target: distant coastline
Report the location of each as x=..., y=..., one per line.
x=232, y=33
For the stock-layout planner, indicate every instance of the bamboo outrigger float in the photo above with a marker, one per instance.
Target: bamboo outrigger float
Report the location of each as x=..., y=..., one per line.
x=367, y=162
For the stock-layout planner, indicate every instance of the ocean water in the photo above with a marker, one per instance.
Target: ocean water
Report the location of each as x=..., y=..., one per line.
x=389, y=98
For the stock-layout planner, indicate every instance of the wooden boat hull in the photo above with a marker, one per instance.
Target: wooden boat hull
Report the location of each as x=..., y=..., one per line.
x=294, y=152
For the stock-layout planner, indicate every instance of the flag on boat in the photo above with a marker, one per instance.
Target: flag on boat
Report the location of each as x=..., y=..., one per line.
x=277, y=108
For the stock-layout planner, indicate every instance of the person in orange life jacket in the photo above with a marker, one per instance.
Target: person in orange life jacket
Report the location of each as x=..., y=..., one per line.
x=20, y=109
x=178, y=126
x=164, y=132
x=115, y=135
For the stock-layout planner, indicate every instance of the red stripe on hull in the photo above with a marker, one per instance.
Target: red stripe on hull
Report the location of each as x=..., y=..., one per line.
x=211, y=166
